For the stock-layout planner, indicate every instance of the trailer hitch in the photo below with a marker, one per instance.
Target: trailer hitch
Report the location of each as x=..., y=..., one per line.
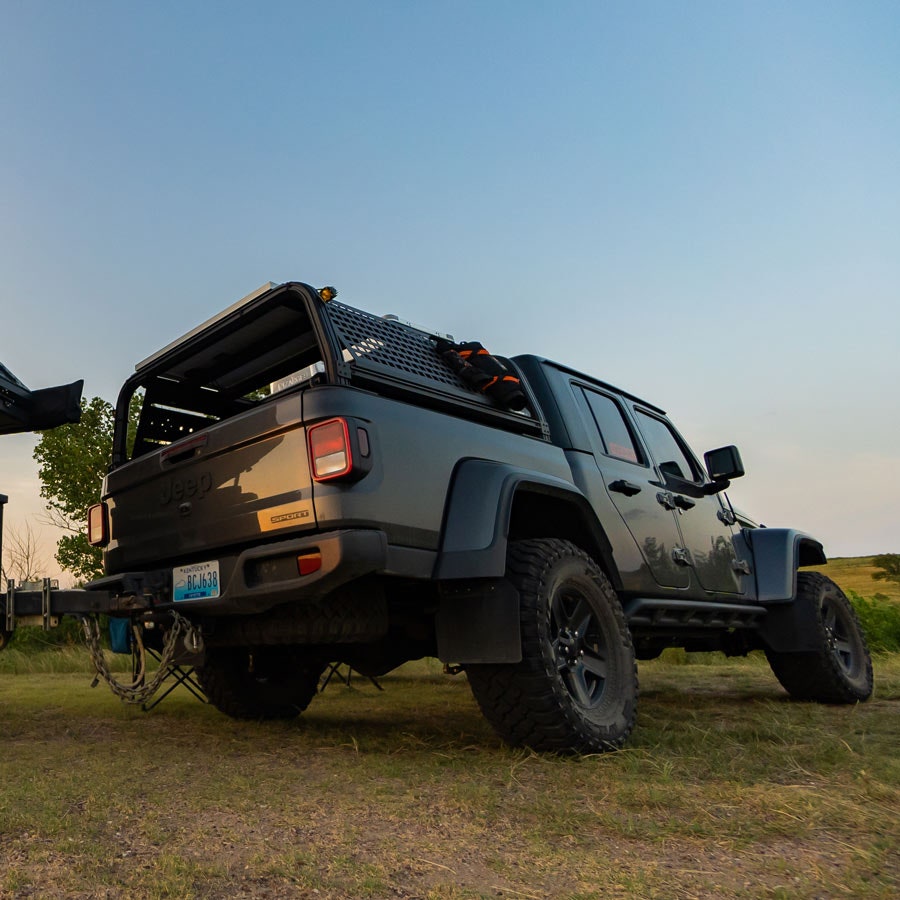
x=140, y=690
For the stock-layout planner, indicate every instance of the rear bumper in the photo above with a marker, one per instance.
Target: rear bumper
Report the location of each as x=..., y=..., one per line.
x=265, y=576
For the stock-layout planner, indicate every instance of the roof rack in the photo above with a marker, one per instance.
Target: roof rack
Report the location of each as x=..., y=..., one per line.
x=396, y=356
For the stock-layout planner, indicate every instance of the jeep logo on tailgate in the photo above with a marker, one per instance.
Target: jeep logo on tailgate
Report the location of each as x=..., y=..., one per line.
x=184, y=488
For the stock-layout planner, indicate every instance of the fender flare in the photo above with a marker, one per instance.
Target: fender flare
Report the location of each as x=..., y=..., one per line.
x=477, y=619
x=478, y=513
x=777, y=554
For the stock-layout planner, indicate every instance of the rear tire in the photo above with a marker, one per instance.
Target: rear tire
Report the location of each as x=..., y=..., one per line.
x=840, y=669
x=576, y=687
x=262, y=683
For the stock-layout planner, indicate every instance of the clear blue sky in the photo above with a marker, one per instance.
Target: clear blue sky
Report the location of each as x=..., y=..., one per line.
x=697, y=201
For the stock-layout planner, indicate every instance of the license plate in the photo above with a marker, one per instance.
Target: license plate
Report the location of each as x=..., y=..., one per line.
x=199, y=581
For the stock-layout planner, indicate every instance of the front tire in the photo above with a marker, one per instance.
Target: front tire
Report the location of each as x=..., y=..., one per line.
x=839, y=670
x=263, y=683
x=576, y=687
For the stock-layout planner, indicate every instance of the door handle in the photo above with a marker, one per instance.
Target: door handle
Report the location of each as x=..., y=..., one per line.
x=684, y=502
x=681, y=557
x=625, y=487
x=664, y=498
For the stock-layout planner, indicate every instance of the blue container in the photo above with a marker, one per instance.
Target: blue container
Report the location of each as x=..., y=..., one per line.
x=120, y=635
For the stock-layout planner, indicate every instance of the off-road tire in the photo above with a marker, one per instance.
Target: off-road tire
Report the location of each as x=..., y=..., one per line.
x=576, y=686
x=263, y=683
x=840, y=669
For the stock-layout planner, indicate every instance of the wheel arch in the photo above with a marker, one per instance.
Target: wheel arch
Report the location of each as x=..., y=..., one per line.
x=492, y=503
x=540, y=511
x=777, y=555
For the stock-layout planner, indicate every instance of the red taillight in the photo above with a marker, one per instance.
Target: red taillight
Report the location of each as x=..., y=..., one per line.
x=329, y=450
x=98, y=525
x=338, y=449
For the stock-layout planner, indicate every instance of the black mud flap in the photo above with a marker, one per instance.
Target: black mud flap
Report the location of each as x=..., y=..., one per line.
x=788, y=628
x=478, y=622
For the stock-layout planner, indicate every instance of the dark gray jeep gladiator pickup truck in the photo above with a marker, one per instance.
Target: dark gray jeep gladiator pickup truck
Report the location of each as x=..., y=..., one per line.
x=311, y=483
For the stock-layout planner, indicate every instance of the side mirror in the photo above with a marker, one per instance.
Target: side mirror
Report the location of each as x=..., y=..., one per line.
x=724, y=464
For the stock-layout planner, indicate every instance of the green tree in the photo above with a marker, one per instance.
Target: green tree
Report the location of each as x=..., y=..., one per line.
x=889, y=563
x=72, y=461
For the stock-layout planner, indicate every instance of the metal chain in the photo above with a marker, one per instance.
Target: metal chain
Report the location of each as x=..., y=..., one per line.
x=140, y=690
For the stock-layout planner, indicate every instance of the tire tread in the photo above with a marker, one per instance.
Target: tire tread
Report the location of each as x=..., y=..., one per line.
x=817, y=675
x=521, y=700
x=232, y=691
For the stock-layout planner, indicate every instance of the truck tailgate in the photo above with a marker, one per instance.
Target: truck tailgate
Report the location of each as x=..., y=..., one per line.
x=223, y=487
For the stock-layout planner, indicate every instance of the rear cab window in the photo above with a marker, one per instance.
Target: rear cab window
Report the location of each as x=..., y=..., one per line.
x=616, y=435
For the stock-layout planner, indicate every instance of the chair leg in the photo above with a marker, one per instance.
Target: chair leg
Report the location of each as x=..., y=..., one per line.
x=180, y=675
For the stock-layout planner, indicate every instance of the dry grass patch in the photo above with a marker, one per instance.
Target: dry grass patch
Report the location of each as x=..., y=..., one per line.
x=727, y=789
x=854, y=573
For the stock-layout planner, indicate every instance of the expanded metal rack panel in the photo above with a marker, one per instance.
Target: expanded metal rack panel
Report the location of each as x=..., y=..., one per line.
x=389, y=351
x=390, y=345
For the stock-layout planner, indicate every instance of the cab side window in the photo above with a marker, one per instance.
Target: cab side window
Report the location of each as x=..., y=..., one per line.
x=666, y=449
x=618, y=441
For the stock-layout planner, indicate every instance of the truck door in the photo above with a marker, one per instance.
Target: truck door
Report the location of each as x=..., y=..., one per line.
x=629, y=479
x=705, y=527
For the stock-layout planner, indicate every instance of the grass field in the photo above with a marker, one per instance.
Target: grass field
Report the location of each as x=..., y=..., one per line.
x=854, y=573
x=727, y=789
